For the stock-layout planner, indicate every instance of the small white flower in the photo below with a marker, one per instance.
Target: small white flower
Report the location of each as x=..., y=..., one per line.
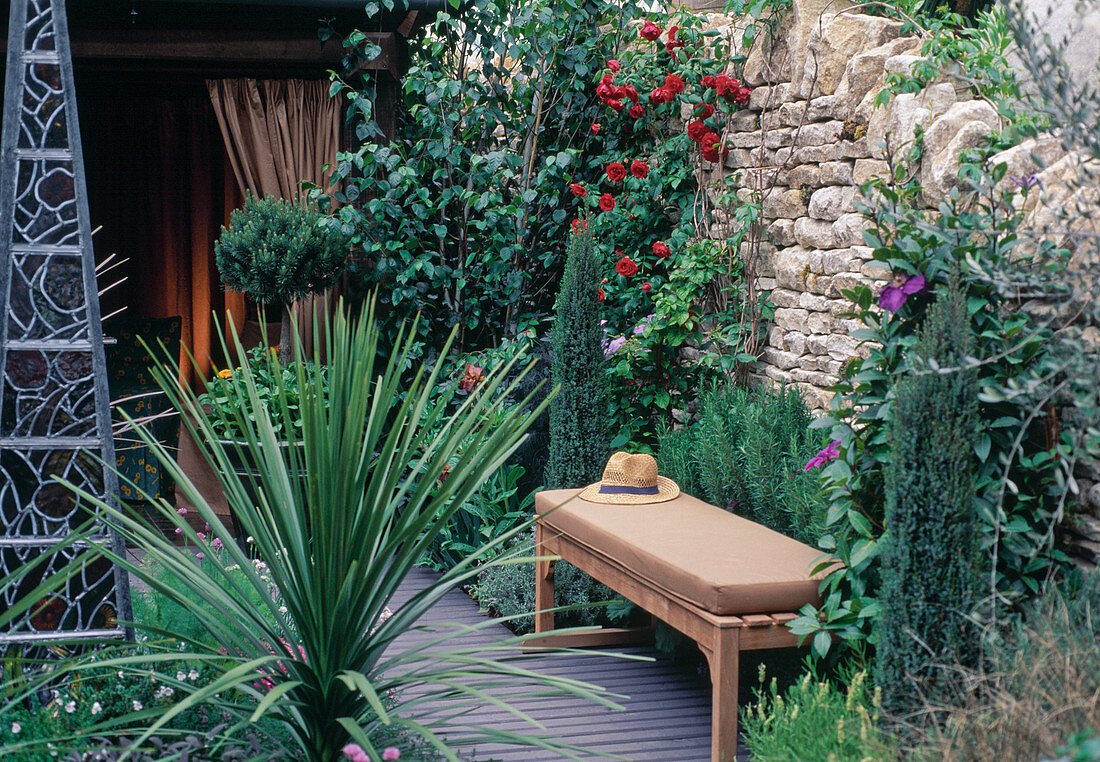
x=70, y=707
x=16, y=728
x=96, y=708
x=120, y=674
x=181, y=676
x=193, y=675
x=282, y=609
x=137, y=706
x=163, y=692
x=250, y=540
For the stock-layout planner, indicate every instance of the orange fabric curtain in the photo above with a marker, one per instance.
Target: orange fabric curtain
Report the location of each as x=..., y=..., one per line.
x=278, y=133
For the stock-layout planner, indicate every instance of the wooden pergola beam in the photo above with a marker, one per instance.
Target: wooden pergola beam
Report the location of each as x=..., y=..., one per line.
x=204, y=47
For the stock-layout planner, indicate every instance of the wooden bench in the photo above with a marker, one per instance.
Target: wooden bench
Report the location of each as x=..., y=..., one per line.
x=727, y=583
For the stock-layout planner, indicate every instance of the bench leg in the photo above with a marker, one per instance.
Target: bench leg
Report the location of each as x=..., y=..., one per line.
x=723, y=655
x=544, y=586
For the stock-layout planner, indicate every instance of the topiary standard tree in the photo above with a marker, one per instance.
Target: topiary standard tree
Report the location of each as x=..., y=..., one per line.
x=278, y=251
x=931, y=560
x=579, y=411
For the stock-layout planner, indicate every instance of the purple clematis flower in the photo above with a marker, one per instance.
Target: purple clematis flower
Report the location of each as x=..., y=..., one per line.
x=831, y=451
x=614, y=346
x=892, y=297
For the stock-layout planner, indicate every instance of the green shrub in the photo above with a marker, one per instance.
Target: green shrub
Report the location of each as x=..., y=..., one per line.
x=277, y=251
x=930, y=563
x=747, y=452
x=816, y=720
x=509, y=591
x=578, y=414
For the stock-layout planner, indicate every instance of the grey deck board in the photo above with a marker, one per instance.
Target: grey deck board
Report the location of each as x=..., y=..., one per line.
x=666, y=709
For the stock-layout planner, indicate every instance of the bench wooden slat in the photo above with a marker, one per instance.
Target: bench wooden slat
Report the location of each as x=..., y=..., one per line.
x=784, y=618
x=757, y=620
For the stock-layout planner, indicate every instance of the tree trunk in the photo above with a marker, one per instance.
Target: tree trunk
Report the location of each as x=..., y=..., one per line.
x=286, y=341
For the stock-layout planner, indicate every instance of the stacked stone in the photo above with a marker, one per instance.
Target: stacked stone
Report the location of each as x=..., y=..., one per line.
x=810, y=137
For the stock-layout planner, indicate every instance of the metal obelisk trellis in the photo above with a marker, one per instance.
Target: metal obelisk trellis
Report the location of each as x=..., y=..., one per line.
x=54, y=408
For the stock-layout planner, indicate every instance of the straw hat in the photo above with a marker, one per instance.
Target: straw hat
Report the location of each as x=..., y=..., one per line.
x=630, y=480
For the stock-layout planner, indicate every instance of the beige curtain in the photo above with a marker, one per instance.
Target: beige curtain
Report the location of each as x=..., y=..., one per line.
x=279, y=133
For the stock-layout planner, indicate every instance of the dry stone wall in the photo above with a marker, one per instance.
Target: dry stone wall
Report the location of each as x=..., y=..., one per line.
x=810, y=137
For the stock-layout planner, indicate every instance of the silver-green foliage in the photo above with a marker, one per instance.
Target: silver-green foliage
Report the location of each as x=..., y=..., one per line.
x=339, y=524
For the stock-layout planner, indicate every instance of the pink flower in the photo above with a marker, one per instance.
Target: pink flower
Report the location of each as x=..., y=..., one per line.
x=181, y=511
x=179, y=530
x=390, y=753
x=595, y=128
x=355, y=753
x=200, y=555
x=830, y=452
x=614, y=346
x=216, y=542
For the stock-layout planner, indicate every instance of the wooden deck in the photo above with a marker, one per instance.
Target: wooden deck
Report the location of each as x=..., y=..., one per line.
x=666, y=716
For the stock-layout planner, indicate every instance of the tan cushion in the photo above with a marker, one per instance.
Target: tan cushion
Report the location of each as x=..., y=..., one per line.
x=693, y=551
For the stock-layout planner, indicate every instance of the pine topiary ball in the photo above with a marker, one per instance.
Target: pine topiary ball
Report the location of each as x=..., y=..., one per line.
x=277, y=251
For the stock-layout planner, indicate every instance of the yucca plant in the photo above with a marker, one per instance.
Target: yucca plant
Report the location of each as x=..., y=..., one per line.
x=339, y=523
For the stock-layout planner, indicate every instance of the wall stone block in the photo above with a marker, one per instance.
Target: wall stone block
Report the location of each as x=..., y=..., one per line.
x=836, y=173
x=830, y=203
x=781, y=232
x=869, y=169
x=814, y=234
x=818, y=133
x=792, y=319
x=795, y=342
x=784, y=202
x=848, y=229
x=782, y=297
x=780, y=359
x=820, y=323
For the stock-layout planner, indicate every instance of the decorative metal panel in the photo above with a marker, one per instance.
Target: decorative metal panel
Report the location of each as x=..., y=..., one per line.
x=54, y=408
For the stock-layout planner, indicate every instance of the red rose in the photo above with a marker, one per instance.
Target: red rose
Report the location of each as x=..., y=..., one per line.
x=595, y=128
x=661, y=250
x=706, y=112
x=673, y=83
x=710, y=144
x=637, y=111
x=742, y=95
x=604, y=92
x=578, y=190
x=661, y=95
x=672, y=42
x=600, y=295
x=650, y=31
x=613, y=65
x=607, y=202
x=709, y=82
x=639, y=169
x=696, y=130
x=646, y=287
x=615, y=172
x=616, y=105
x=724, y=84
x=630, y=93
x=626, y=267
